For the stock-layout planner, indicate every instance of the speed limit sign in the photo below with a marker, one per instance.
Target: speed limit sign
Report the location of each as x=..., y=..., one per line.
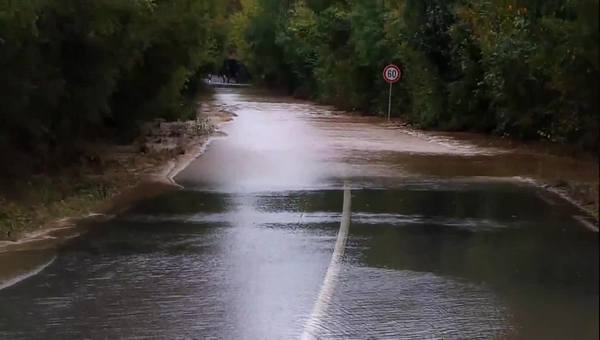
x=392, y=74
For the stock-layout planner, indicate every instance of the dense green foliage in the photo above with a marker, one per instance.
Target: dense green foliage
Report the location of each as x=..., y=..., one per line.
x=526, y=68
x=74, y=71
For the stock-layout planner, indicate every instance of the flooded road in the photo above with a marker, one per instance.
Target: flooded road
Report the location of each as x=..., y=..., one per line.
x=440, y=242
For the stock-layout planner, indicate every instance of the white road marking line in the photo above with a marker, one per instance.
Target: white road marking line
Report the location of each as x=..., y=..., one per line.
x=320, y=308
x=27, y=275
x=589, y=225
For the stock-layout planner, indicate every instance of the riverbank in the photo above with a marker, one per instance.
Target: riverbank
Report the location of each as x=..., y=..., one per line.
x=110, y=179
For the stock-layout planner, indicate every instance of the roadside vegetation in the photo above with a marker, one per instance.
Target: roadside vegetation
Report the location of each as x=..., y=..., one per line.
x=78, y=76
x=524, y=68
x=80, y=71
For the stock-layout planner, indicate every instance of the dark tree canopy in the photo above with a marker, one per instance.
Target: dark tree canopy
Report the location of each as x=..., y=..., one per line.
x=75, y=71
x=525, y=68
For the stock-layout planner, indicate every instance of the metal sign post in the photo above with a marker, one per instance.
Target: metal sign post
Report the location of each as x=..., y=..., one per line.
x=390, y=102
x=391, y=74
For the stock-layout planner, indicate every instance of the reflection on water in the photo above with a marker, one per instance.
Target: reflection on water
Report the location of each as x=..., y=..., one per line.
x=237, y=278
x=241, y=253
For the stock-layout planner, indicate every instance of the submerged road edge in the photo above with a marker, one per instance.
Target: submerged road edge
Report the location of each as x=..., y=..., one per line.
x=324, y=298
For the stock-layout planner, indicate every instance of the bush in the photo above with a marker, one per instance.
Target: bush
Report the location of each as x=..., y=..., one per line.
x=77, y=71
x=526, y=68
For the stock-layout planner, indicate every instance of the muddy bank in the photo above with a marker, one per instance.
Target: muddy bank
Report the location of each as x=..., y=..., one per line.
x=48, y=211
x=558, y=169
x=563, y=170
x=42, y=211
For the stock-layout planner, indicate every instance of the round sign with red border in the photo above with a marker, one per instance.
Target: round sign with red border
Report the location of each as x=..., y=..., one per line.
x=392, y=74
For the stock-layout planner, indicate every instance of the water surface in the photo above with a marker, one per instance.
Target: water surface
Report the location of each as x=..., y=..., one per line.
x=443, y=243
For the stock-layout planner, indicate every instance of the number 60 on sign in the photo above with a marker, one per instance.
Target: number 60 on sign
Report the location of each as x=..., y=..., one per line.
x=392, y=74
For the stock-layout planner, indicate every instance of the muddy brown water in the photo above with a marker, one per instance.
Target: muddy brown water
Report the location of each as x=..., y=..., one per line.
x=446, y=241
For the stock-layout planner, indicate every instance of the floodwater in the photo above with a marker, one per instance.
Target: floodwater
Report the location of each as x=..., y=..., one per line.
x=444, y=242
